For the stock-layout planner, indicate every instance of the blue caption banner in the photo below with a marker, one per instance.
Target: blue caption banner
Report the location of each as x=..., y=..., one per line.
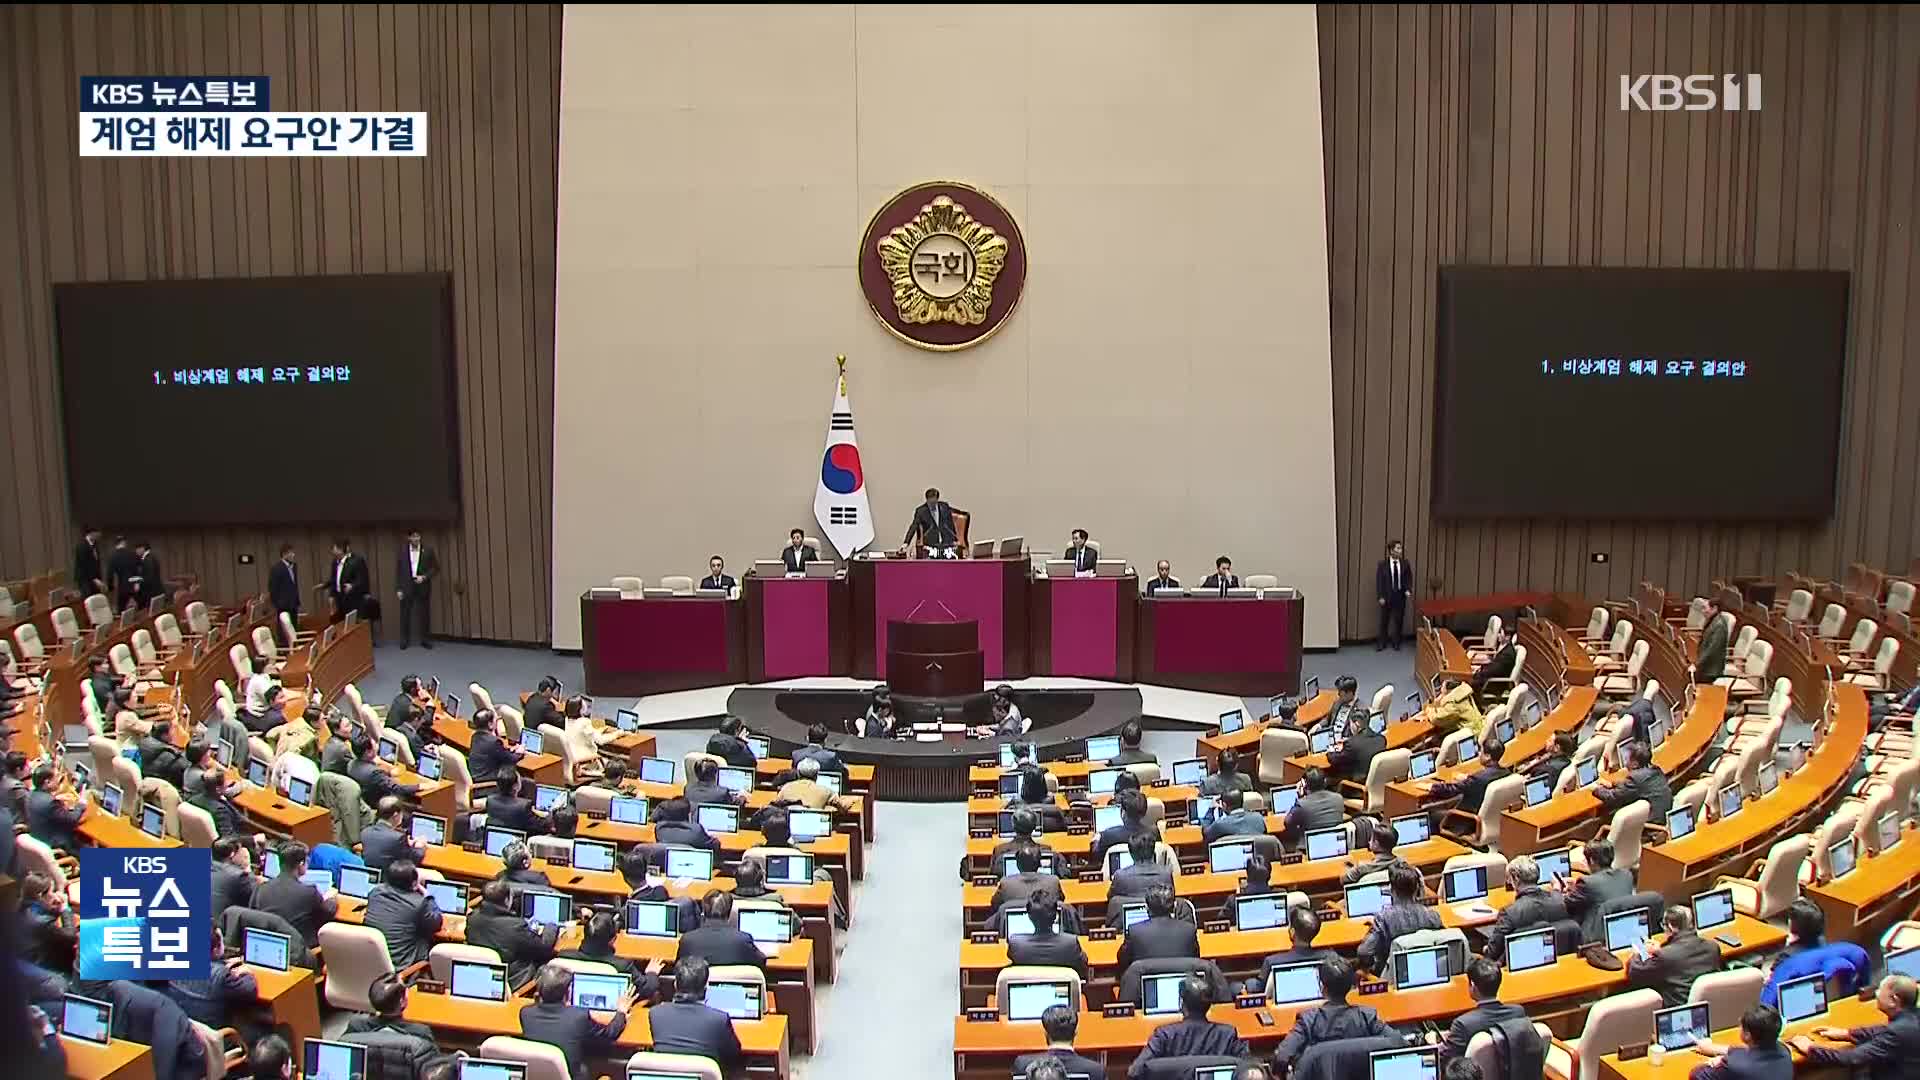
x=173, y=93
x=146, y=913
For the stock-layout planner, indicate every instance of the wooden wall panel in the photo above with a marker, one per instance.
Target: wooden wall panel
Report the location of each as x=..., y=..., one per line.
x=1492, y=134
x=480, y=205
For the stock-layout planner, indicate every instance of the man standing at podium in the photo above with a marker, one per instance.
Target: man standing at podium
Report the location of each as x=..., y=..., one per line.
x=933, y=523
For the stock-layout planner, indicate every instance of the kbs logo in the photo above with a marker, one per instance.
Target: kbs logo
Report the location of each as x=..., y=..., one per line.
x=1689, y=93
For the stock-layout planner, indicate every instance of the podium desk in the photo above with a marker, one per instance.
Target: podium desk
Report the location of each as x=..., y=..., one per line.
x=635, y=647
x=796, y=626
x=991, y=592
x=1083, y=627
x=1243, y=647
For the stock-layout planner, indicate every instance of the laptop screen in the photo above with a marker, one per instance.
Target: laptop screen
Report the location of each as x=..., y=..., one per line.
x=1106, y=817
x=478, y=981
x=1026, y=1001
x=153, y=822
x=1539, y=790
x=1586, y=771
x=1889, y=829
x=691, y=863
x=1554, y=864
x=1466, y=883
x=1422, y=764
x=655, y=770
x=1364, y=901
x=718, y=817
x=266, y=949
x=1680, y=1027
x=1730, y=800
x=766, y=926
x=1656, y=733
x=798, y=869
x=1711, y=909
x=1626, y=929
x=1227, y=856
x=1160, y=994
x=1421, y=1063
x=806, y=825
x=1411, y=829
x=592, y=991
x=1103, y=748
x=1840, y=857
x=1679, y=822
x=546, y=795
x=329, y=1060
x=1803, y=997
x=1189, y=772
x=1529, y=950
x=739, y=781
x=627, y=810
x=498, y=839
x=1296, y=983
x=1326, y=844
x=299, y=791
x=1018, y=922
x=270, y=865
x=448, y=896
x=1231, y=721
x=759, y=746
x=593, y=855
x=258, y=772
x=483, y=1069
x=739, y=1000
x=1003, y=823
x=1132, y=915
x=1258, y=912
x=1504, y=729
x=1320, y=740
x=358, y=881
x=1414, y=968
x=547, y=908
x=650, y=918
x=110, y=799
x=626, y=720
x=389, y=750
x=1101, y=781
x=1769, y=777
x=428, y=829
x=428, y=765
x=1010, y=783
x=531, y=740
x=86, y=1019
x=1905, y=962
x=319, y=879
x=1283, y=799
x=1469, y=748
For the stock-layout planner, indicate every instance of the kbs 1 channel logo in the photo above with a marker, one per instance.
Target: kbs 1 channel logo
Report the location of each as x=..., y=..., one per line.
x=229, y=116
x=146, y=913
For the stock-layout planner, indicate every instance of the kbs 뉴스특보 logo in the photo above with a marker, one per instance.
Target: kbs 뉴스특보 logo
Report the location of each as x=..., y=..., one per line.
x=145, y=913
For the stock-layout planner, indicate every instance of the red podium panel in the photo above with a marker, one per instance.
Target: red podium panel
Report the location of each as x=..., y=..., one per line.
x=1248, y=647
x=661, y=644
x=1084, y=627
x=936, y=659
x=796, y=627
x=991, y=592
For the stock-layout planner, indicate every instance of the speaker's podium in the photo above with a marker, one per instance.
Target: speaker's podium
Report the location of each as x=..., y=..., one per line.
x=929, y=600
x=935, y=657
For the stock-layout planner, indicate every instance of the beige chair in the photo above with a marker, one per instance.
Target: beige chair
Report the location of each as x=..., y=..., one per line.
x=266, y=649
x=1625, y=831
x=157, y=792
x=1837, y=827
x=1612, y=1022
x=1742, y=645
x=356, y=955
x=1728, y=994
x=512, y=723
x=1692, y=796
x=196, y=826
x=678, y=1066
x=593, y=800
x=739, y=973
x=1506, y=684
x=1520, y=702
x=1450, y=746
x=692, y=756
x=1866, y=824
x=1697, y=614
x=678, y=584
x=1858, y=643
x=99, y=611
x=1482, y=829
x=1752, y=680
x=1382, y=700
x=144, y=651
x=1145, y=771
x=1613, y=654
x=127, y=775
x=1494, y=861
x=199, y=620
x=27, y=637
x=1254, y=581
x=294, y=634
x=1877, y=676
x=630, y=587
x=1776, y=883
x=1597, y=622
x=1277, y=744
x=221, y=1057
x=1831, y=622
x=1899, y=597
x=1799, y=606
x=453, y=766
x=583, y=967
x=242, y=662
x=1163, y=854
x=32, y=855
x=1031, y=973
x=440, y=959
x=482, y=699
x=544, y=1061
x=1385, y=768
x=103, y=751
x=1625, y=683
x=120, y=659
x=1478, y=648
x=66, y=626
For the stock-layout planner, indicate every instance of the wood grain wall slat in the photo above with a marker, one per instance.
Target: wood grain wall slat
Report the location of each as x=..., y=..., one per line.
x=1509, y=147
x=480, y=205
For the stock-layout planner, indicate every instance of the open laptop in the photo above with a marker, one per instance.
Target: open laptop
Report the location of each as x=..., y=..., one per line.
x=547, y=796
x=1103, y=748
x=818, y=568
x=1320, y=739
x=771, y=930
x=264, y=948
x=477, y=981
x=1625, y=929
x=1010, y=864
x=1415, y=968
x=1422, y=764
x=299, y=791
x=1365, y=900
x=1585, y=771
x=597, y=991
x=357, y=881
x=1027, y=1000
x=1326, y=844
x=547, y=908
x=324, y=1059
x=655, y=770
x=428, y=765
x=1160, y=994
x=1281, y=800
x=718, y=818
x=1539, y=790
x=652, y=918
x=1101, y=781
x=594, y=855
x=1294, y=984
x=1530, y=949
x=486, y=1069
x=428, y=829
x=1712, y=908
x=739, y=1000
x=1680, y=1027
x=798, y=869
x=627, y=810
x=531, y=740
x=86, y=1019
x=1557, y=863
x=498, y=839
x=1769, y=777
x=806, y=825
x=694, y=864
x=1258, y=912
x=1464, y=884
x=1228, y=856
x=1189, y=772
x=1468, y=749
x=1803, y=998
x=1413, y=1063
x=1232, y=720
x=739, y=781
x=389, y=750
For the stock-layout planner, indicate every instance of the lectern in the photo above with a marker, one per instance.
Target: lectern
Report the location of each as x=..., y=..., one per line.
x=935, y=659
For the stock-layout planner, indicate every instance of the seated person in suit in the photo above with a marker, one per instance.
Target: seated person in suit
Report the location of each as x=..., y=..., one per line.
x=1016, y=888
x=1024, y=822
x=405, y=915
x=1498, y=666
x=1060, y=1023
x=294, y=900
x=1303, y=925
x=216, y=798
x=704, y=785
x=1162, y=578
x=506, y=809
x=1333, y=1018
x=673, y=824
x=597, y=946
x=1808, y=952
x=1083, y=556
x=1228, y=776
x=1761, y=1058
x=50, y=925
x=1483, y=985
x=1046, y=945
x=1035, y=797
x=1346, y=701
x=409, y=708
x=160, y=758
x=1223, y=577
x=1603, y=881
x=543, y=705
x=798, y=553
x=816, y=749
x=1880, y=1051
x=1640, y=714
x=517, y=870
x=498, y=925
x=878, y=721
x=1532, y=906
x=51, y=818
x=1146, y=870
x=336, y=754
x=1317, y=808
x=1258, y=879
x=1671, y=965
x=1133, y=820
x=807, y=790
x=489, y=757
x=1234, y=819
x=717, y=576
x=933, y=528
x=1555, y=759
x=1162, y=935
x=687, y=1025
x=1008, y=721
x=387, y=838
x=1360, y=745
x=579, y=1035
x=1381, y=840
x=1472, y=791
x=1193, y=1033
x=727, y=745
x=717, y=940
x=1130, y=752
x=388, y=996
x=1406, y=911
x=233, y=881
x=1644, y=781
x=375, y=783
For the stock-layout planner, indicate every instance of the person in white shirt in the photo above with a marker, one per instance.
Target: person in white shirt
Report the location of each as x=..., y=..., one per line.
x=415, y=572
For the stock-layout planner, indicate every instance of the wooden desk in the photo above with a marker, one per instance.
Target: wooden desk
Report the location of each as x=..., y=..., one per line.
x=859, y=783
x=1247, y=739
x=540, y=768
x=845, y=821
x=293, y=997
x=1438, y=655
x=789, y=976
x=1680, y=868
x=1410, y=796
x=1571, y=818
x=1401, y=734
x=274, y=813
x=1848, y=1012
x=1881, y=889
x=103, y=830
x=982, y=813
x=466, y=1023
x=121, y=1060
x=832, y=853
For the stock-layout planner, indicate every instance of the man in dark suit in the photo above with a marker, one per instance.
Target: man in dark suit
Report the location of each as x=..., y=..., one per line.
x=1133, y=816
x=1146, y=870
x=717, y=577
x=386, y=840
x=151, y=584
x=1361, y=744
x=1162, y=578
x=410, y=713
x=1303, y=925
x=233, y=881
x=1393, y=585
x=704, y=785
x=728, y=745
x=1193, y=1033
x=1405, y=913
x=933, y=526
x=1710, y=660
x=1223, y=577
x=1083, y=555
x=1161, y=936
x=1017, y=888
x=1060, y=1024
x=1762, y=1058
x=1886, y=1051
x=489, y=756
x=1499, y=665
x=123, y=568
x=376, y=784
x=405, y=915
x=673, y=824
x=1670, y=966
x=216, y=798
x=1644, y=781
x=507, y=810
x=1587, y=897
x=1317, y=808
x=1483, y=985
x=798, y=553
x=51, y=819
x=1047, y=946
x=294, y=900
x=160, y=758
x=1333, y=1019
x=1532, y=906
x=1473, y=790
x=415, y=570
x=717, y=940
x=1131, y=753
x=580, y=1035
x=347, y=579
x=498, y=925
x=1234, y=819
x=687, y=1025
x=89, y=576
x=816, y=749
x=283, y=586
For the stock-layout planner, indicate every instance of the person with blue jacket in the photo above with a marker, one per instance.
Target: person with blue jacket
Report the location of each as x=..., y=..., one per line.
x=1809, y=953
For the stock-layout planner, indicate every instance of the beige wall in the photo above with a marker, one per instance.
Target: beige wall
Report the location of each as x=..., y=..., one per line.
x=1166, y=382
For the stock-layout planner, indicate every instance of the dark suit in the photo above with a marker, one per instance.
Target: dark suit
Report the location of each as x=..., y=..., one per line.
x=579, y=1036
x=934, y=526
x=1083, y=557
x=1392, y=585
x=1135, y=880
x=691, y=1027
x=504, y=812
x=1531, y=907
x=1391, y=923
x=1326, y=1023
x=381, y=844
x=1743, y=1063
x=52, y=822
x=1681, y=959
x=505, y=932
x=1588, y=895
x=731, y=749
x=684, y=834
x=1160, y=937
x=1242, y=822
x=1051, y=949
x=375, y=784
x=347, y=583
x=1076, y=1065
x=1649, y=784
x=1711, y=661
x=406, y=919
x=163, y=760
x=723, y=581
x=337, y=757
x=489, y=757
x=1315, y=810
x=829, y=761
x=416, y=597
x=1186, y=1038
x=1473, y=790
x=283, y=589
x=1017, y=888
x=1498, y=666
x=151, y=584
x=1889, y=1051
x=86, y=568
x=797, y=558
x=1352, y=758
x=1468, y=1024
x=232, y=887
x=1155, y=584
x=122, y=567
x=297, y=902
x=722, y=943
x=1215, y=581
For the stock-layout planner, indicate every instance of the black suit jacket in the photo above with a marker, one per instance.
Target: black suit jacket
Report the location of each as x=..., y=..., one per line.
x=86, y=568
x=1650, y=784
x=1076, y=1065
x=1213, y=581
x=297, y=902
x=1083, y=558
x=1353, y=757
x=381, y=844
x=1498, y=666
x=283, y=588
x=1889, y=1051
x=579, y=1036
x=403, y=572
x=227, y=818
x=489, y=757
x=1186, y=1038
x=1052, y=949
x=122, y=567
x=1744, y=1063
x=1473, y=790
x=151, y=584
x=1154, y=584
x=1588, y=895
x=685, y=834
x=1161, y=937
x=797, y=558
x=375, y=784
x=724, y=581
x=1473, y=1022
x=353, y=581
x=934, y=527
x=1383, y=582
x=691, y=1027
x=232, y=887
x=1530, y=908
x=722, y=943
x=506, y=933
x=51, y=822
x=514, y=813
x=1682, y=958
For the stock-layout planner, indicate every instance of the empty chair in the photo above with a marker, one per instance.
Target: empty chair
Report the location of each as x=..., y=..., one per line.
x=99, y=611
x=143, y=649
x=1899, y=597
x=1752, y=680
x=1831, y=622
x=27, y=637
x=1625, y=831
x=648, y=1063
x=1625, y=683
x=65, y=626
x=1382, y=699
x=1776, y=880
x=1799, y=605
x=1728, y=994
x=1614, y=655
x=1519, y=710
x=481, y=698
x=440, y=959
x=266, y=648
x=678, y=584
x=1611, y=1023
x=120, y=659
x=1596, y=626
x=356, y=956
x=544, y=1061
x=1252, y=581
x=1697, y=614
x=1277, y=744
x=199, y=620
x=1494, y=861
x=196, y=826
x=1876, y=677
x=1742, y=643
x=1484, y=643
x=1385, y=768
x=242, y=662
x=511, y=723
x=629, y=587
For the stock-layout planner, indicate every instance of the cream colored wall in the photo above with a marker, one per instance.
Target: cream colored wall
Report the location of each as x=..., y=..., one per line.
x=1165, y=383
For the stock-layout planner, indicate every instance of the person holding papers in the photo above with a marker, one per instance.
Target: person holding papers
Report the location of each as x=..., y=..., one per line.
x=1083, y=556
x=933, y=526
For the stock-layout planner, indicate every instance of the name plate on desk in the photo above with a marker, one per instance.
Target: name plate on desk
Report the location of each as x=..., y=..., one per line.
x=1329, y=914
x=1216, y=926
x=470, y=846
x=559, y=858
x=982, y=1016
x=1118, y=1009
x=1377, y=986
x=1290, y=858
x=1102, y=933
x=1091, y=877
x=1633, y=1051
x=1079, y=829
x=1249, y=1001
x=1074, y=759
x=984, y=937
x=430, y=986
x=979, y=834
x=985, y=881
x=1162, y=782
